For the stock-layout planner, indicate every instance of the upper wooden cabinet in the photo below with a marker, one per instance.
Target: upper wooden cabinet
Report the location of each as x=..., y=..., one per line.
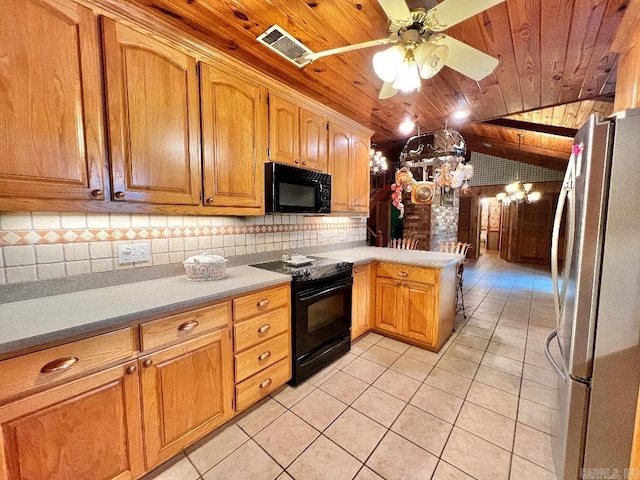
x=349, y=169
x=234, y=141
x=51, y=120
x=297, y=136
x=153, y=116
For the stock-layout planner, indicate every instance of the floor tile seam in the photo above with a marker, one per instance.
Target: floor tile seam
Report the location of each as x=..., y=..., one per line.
x=284, y=468
x=414, y=443
x=528, y=459
x=453, y=466
x=225, y=457
x=358, y=396
x=485, y=439
x=297, y=401
x=307, y=448
x=400, y=353
x=457, y=373
x=537, y=403
x=537, y=465
x=493, y=411
x=261, y=429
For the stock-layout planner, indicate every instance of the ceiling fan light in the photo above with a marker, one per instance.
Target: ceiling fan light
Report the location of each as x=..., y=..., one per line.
x=527, y=187
x=387, y=63
x=533, y=197
x=430, y=58
x=408, y=78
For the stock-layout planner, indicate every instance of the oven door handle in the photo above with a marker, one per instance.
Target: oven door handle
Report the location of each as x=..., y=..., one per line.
x=312, y=294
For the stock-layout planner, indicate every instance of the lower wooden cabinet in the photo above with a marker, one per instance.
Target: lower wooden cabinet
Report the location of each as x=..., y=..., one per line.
x=415, y=304
x=187, y=391
x=361, y=303
x=88, y=428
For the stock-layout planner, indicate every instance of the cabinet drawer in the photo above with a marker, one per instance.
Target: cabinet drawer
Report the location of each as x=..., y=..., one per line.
x=261, y=356
x=25, y=373
x=406, y=272
x=263, y=327
x=183, y=326
x=249, y=305
x=262, y=384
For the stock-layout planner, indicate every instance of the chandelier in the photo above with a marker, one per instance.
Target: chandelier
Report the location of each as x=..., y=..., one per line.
x=517, y=192
x=377, y=162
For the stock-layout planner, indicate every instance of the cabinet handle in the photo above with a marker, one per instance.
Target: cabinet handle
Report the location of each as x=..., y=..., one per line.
x=264, y=356
x=264, y=328
x=147, y=363
x=296, y=161
x=119, y=195
x=59, y=364
x=403, y=274
x=304, y=162
x=266, y=383
x=96, y=193
x=263, y=303
x=188, y=325
x=355, y=270
x=131, y=369
x=209, y=200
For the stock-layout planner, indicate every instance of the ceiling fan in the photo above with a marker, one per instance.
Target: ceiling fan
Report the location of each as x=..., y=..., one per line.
x=419, y=48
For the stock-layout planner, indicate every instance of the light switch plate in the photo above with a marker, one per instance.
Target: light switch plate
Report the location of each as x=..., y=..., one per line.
x=138, y=252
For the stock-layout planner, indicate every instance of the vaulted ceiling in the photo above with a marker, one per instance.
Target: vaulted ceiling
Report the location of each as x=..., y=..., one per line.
x=555, y=66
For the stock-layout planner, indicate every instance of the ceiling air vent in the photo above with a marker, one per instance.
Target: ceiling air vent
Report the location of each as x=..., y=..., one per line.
x=285, y=45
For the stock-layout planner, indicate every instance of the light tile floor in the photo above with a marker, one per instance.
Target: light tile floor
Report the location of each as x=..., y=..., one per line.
x=478, y=409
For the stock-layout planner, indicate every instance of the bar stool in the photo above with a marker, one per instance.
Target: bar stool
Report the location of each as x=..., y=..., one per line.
x=403, y=243
x=461, y=249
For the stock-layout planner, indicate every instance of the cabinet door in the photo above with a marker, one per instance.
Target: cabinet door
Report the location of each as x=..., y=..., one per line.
x=51, y=122
x=361, y=304
x=390, y=301
x=359, y=185
x=234, y=139
x=186, y=392
x=339, y=151
x=420, y=322
x=284, y=131
x=313, y=140
x=89, y=428
x=153, y=115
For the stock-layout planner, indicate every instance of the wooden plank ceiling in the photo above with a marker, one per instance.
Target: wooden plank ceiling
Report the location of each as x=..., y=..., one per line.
x=555, y=66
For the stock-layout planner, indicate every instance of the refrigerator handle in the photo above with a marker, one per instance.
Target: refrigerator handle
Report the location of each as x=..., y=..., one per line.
x=567, y=186
x=547, y=352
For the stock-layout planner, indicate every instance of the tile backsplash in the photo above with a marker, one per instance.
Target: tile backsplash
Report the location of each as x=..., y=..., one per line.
x=38, y=246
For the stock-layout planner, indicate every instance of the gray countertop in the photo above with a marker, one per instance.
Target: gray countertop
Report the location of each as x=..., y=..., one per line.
x=33, y=322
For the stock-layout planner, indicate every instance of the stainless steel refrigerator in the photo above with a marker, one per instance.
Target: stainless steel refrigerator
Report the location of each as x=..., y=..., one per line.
x=597, y=301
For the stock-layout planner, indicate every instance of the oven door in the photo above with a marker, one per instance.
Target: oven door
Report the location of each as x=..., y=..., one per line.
x=322, y=312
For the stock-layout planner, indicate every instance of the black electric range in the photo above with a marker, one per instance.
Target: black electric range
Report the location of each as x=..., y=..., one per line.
x=320, y=312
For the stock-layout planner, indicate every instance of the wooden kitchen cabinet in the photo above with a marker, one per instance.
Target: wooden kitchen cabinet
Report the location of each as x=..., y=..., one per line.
x=154, y=119
x=415, y=304
x=51, y=120
x=349, y=169
x=361, y=303
x=88, y=428
x=187, y=391
x=297, y=136
x=234, y=141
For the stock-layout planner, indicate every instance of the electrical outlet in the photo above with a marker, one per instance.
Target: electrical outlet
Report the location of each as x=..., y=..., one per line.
x=138, y=252
x=320, y=238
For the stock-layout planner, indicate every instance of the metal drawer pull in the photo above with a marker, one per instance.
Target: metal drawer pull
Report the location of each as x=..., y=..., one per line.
x=59, y=364
x=264, y=355
x=264, y=328
x=147, y=363
x=131, y=369
x=263, y=303
x=266, y=383
x=403, y=274
x=188, y=325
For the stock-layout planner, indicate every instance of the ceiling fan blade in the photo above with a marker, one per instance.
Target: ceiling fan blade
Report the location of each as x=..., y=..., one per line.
x=450, y=12
x=395, y=9
x=310, y=57
x=387, y=91
x=467, y=60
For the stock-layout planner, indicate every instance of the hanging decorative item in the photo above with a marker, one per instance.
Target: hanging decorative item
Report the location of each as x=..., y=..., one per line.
x=517, y=192
x=404, y=181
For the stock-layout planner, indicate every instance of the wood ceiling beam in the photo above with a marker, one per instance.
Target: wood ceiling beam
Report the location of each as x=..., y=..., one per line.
x=533, y=127
x=553, y=159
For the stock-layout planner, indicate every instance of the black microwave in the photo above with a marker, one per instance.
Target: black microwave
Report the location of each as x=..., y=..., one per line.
x=296, y=190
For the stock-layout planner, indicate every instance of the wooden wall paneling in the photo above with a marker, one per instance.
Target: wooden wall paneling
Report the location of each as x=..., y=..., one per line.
x=154, y=124
x=602, y=58
x=234, y=141
x=555, y=25
x=524, y=18
x=585, y=24
x=51, y=120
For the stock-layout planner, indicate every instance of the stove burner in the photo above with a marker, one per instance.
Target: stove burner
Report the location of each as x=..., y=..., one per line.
x=317, y=268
